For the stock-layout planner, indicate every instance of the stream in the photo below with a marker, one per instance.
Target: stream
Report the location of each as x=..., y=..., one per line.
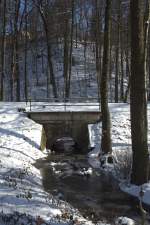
x=95, y=194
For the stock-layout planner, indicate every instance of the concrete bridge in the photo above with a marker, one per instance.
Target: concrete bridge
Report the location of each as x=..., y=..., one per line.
x=72, y=122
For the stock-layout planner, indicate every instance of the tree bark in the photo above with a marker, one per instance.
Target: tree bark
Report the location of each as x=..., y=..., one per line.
x=3, y=53
x=15, y=68
x=138, y=101
x=117, y=53
x=98, y=45
x=67, y=91
x=66, y=54
x=106, y=145
x=49, y=53
x=25, y=56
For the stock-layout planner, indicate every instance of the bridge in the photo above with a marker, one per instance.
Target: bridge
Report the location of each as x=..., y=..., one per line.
x=65, y=119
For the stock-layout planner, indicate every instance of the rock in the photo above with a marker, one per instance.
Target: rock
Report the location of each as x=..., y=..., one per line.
x=110, y=159
x=124, y=221
x=64, y=144
x=21, y=109
x=106, y=159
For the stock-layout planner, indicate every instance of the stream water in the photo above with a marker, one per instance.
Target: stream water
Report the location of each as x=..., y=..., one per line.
x=95, y=194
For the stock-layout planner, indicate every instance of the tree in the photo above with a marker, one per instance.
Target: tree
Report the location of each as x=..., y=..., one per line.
x=138, y=102
x=25, y=55
x=117, y=52
x=3, y=51
x=15, y=66
x=106, y=126
x=98, y=42
x=67, y=88
x=44, y=10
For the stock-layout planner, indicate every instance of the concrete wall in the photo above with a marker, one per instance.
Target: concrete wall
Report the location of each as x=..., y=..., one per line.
x=46, y=117
x=61, y=124
x=78, y=131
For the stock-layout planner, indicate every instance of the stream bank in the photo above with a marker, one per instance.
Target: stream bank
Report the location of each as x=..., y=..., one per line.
x=96, y=195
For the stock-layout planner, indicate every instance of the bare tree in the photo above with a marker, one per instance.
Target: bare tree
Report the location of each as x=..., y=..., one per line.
x=106, y=126
x=15, y=66
x=43, y=9
x=138, y=99
x=3, y=8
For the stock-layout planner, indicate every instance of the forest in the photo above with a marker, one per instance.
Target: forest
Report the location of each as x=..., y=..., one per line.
x=90, y=54
x=46, y=45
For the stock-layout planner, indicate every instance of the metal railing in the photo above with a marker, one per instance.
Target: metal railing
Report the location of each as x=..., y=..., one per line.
x=53, y=102
x=61, y=99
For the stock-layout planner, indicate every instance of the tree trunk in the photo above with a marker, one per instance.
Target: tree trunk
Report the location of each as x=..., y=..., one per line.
x=122, y=76
x=66, y=54
x=15, y=69
x=3, y=53
x=25, y=56
x=49, y=53
x=106, y=126
x=117, y=53
x=146, y=34
x=138, y=105
x=98, y=46
x=67, y=92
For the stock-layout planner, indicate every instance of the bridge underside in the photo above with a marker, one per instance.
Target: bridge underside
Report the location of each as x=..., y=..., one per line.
x=66, y=124
x=79, y=133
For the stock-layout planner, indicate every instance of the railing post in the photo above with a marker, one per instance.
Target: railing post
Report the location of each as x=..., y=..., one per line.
x=30, y=103
x=65, y=104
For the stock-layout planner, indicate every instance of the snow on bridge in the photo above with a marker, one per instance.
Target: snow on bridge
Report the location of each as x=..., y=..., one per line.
x=46, y=112
x=65, y=119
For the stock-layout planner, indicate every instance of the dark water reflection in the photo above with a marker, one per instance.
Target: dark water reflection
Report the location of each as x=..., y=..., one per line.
x=96, y=195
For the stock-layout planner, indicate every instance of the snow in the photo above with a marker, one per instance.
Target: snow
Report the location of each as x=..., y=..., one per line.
x=94, y=138
x=121, y=146
x=121, y=137
x=21, y=190
x=135, y=190
x=124, y=221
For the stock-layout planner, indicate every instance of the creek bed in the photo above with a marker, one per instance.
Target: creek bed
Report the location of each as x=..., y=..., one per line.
x=95, y=194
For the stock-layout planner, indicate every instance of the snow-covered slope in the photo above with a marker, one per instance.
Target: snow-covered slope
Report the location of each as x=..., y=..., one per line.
x=21, y=190
x=121, y=145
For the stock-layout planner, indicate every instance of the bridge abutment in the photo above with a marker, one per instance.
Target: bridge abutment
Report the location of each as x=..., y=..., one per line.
x=66, y=124
x=75, y=130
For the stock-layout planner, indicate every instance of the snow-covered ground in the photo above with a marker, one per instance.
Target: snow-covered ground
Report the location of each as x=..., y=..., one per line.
x=121, y=136
x=21, y=190
x=121, y=145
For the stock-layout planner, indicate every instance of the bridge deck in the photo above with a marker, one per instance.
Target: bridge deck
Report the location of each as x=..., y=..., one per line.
x=57, y=117
x=69, y=119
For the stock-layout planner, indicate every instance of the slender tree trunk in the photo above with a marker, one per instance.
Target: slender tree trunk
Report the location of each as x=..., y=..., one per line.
x=11, y=60
x=117, y=63
x=66, y=54
x=67, y=92
x=49, y=53
x=128, y=75
x=98, y=46
x=122, y=62
x=3, y=53
x=122, y=75
x=106, y=126
x=25, y=56
x=15, y=72
x=110, y=71
x=138, y=97
x=146, y=34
